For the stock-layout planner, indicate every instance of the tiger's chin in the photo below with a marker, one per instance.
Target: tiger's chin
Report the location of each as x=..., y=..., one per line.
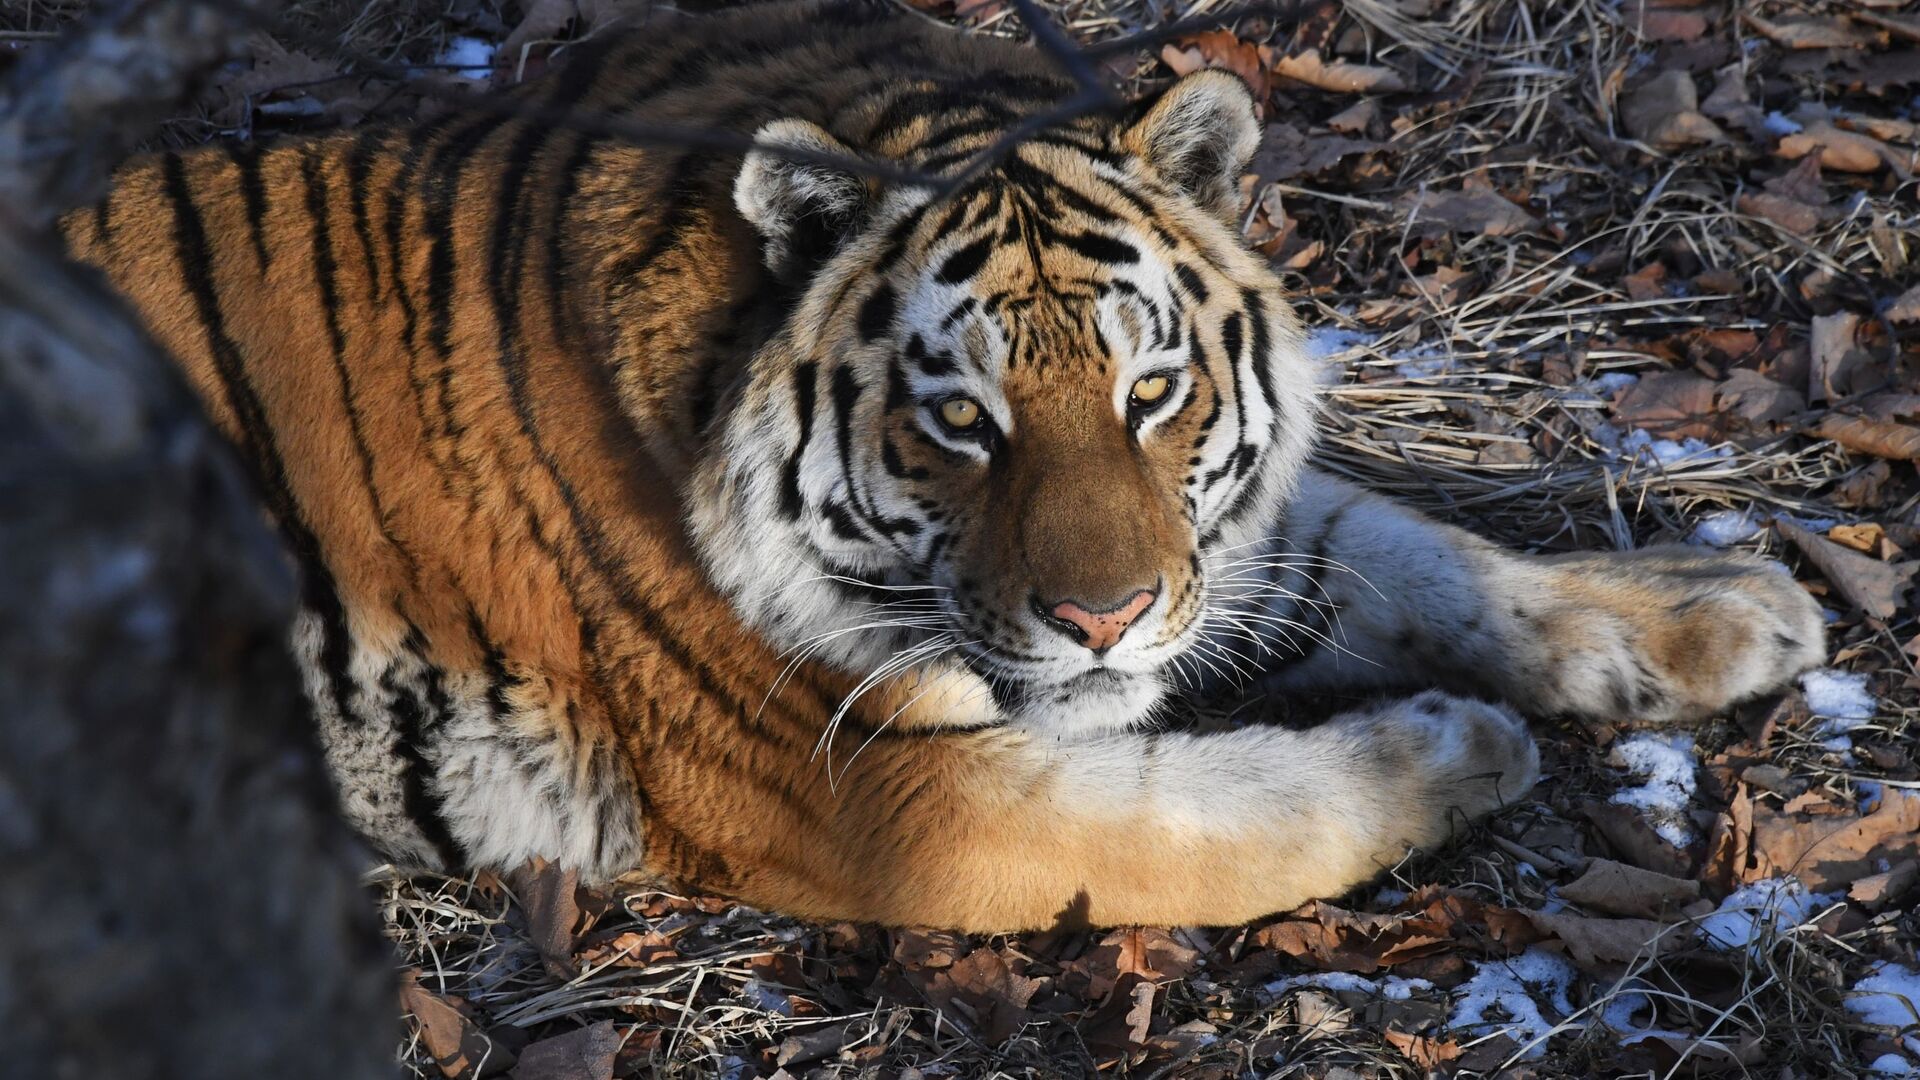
x=1096, y=701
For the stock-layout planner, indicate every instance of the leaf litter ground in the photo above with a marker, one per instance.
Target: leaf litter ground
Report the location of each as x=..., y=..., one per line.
x=1583, y=275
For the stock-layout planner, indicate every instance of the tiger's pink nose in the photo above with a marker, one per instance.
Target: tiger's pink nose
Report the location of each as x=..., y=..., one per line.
x=1100, y=630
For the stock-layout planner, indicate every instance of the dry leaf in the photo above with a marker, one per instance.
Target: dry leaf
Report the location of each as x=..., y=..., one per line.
x=1878, y=890
x=1848, y=151
x=1814, y=32
x=1429, y=1054
x=1868, y=584
x=586, y=1054
x=1340, y=76
x=1608, y=941
x=1664, y=112
x=1634, y=840
x=1467, y=210
x=1829, y=854
x=1672, y=405
x=1119, y=1028
x=810, y=1046
x=1790, y=214
x=553, y=914
x=1621, y=889
x=1219, y=49
x=1286, y=152
x=1906, y=309
x=1840, y=368
x=457, y=1045
x=1354, y=118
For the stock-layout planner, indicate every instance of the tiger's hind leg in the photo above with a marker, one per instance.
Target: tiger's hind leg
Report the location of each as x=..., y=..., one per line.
x=1360, y=592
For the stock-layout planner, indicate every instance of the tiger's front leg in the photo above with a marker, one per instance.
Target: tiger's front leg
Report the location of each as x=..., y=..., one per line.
x=1359, y=592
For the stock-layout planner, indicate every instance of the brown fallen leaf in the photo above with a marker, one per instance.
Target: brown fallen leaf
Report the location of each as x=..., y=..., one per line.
x=1355, y=118
x=1864, y=538
x=1906, y=309
x=1673, y=405
x=1703, y=1055
x=585, y=1054
x=1884, y=425
x=1620, y=889
x=1790, y=214
x=1427, y=1053
x=1879, y=890
x=457, y=1044
x=1868, y=584
x=1664, y=112
x=1338, y=75
x=1815, y=32
x=1287, y=152
x=1848, y=151
x=1829, y=854
x=983, y=988
x=1220, y=49
x=631, y=948
x=553, y=914
x=811, y=1046
x=1473, y=210
x=1634, y=840
x=1118, y=1030
x=1840, y=368
x=1608, y=941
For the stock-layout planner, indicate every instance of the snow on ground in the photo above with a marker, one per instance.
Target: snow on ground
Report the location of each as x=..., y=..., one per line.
x=1608, y=383
x=1749, y=912
x=1393, y=987
x=1724, y=528
x=471, y=56
x=1665, y=764
x=1890, y=1065
x=1638, y=446
x=1327, y=342
x=1841, y=702
x=1890, y=997
x=1499, y=998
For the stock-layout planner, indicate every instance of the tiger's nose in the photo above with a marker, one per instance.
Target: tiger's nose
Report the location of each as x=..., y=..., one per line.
x=1097, y=630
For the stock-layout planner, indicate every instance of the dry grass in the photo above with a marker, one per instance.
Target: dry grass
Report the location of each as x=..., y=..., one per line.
x=1535, y=90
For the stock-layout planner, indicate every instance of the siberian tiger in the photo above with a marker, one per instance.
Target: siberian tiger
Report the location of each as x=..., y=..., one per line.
x=745, y=522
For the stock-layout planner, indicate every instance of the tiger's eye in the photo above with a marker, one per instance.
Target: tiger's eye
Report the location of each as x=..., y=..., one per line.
x=960, y=413
x=1151, y=389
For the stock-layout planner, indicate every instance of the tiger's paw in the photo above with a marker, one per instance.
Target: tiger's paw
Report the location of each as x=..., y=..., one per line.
x=1675, y=634
x=1458, y=758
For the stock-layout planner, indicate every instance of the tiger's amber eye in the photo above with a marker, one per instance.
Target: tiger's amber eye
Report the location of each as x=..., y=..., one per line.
x=960, y=413
x=1151, y=389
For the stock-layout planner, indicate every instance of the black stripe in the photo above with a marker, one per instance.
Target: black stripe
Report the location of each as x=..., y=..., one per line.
x=876, y=313
x=805, y=377
x=256, y=433
x=1101, y=249
x=1191, y=280
x=421, y=803
x=359, y=176
x=966, y=262
x=1262, y=363
x=253, y=193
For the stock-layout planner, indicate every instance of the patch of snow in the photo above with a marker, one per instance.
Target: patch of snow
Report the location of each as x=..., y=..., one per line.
x=1327, y=342
x=1393, y=987
x=1724, y=528
x=766, y=998
x=1423, y=367
x=1890, y=997
x=1665, y=764
x=1838, y=695
x=1499, y=998
x=1779, y=126
x=1625, y=1004
x=470, y=57
x=1639, y=444
x=1751, y=910
x=1608, y=383
x=1870, y=796
x=1841, y=701
x=1890, y=1065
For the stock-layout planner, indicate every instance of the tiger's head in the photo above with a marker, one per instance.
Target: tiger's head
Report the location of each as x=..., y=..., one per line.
x=1016, y=424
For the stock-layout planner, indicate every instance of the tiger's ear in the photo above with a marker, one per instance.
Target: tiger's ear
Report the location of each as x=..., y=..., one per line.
x=802, y=209
x=1199, y=136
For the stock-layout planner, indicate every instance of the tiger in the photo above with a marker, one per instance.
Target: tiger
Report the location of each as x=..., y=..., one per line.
x=759, y=518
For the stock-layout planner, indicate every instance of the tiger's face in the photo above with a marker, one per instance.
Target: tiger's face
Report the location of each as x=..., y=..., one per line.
x=1028, y=417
